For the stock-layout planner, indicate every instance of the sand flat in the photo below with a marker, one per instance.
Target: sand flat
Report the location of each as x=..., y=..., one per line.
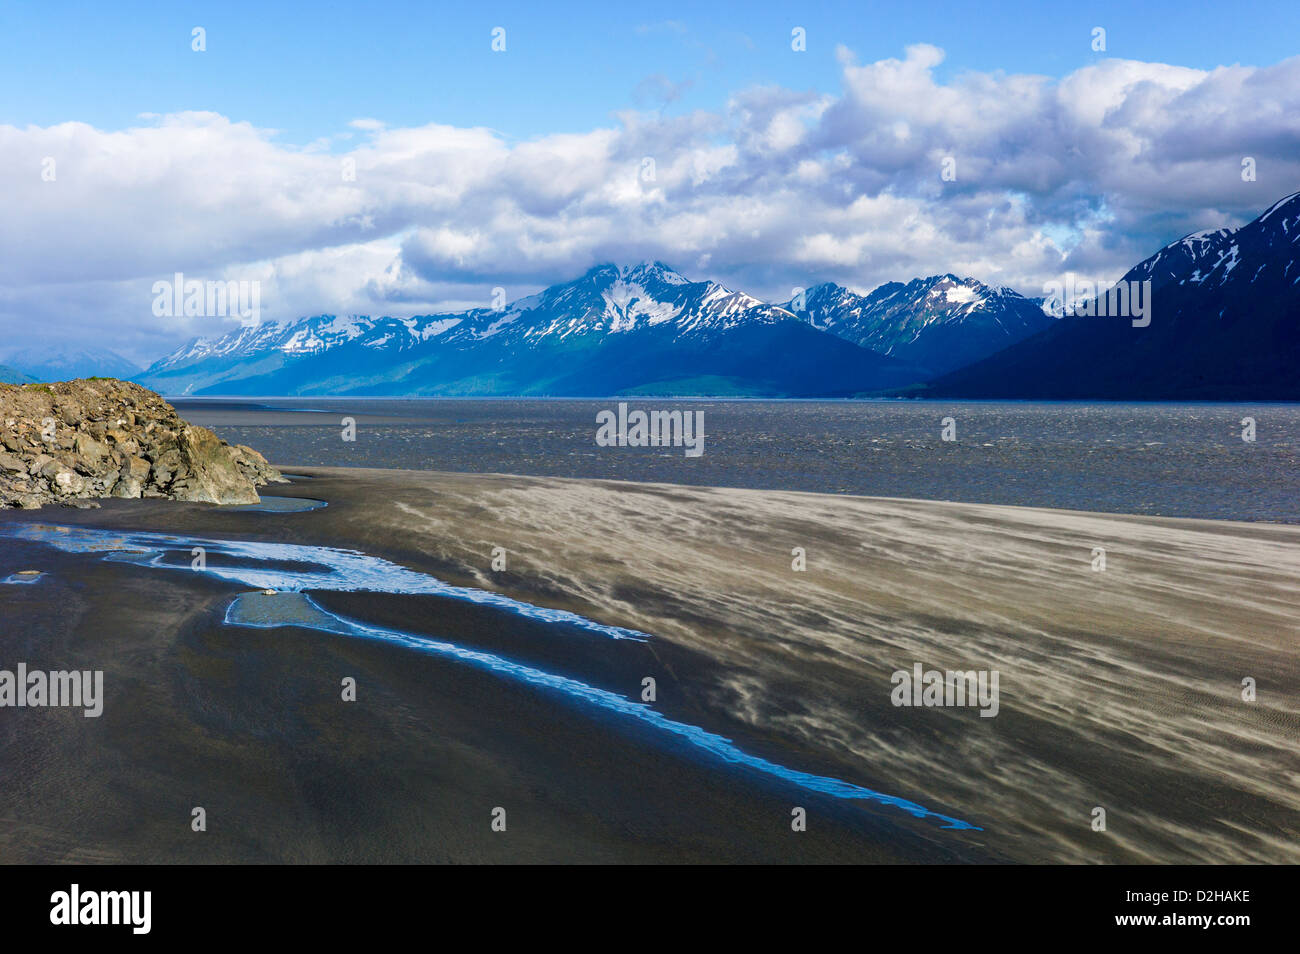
x=1119, y=689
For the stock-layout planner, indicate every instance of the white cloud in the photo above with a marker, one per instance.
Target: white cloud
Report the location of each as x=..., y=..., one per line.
x=779, y=189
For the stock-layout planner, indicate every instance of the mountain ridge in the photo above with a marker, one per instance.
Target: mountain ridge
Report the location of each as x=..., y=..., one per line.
x=640, y=328
x=10, y=375
x=941, y=322
x=66, y=362
x=1225, y=325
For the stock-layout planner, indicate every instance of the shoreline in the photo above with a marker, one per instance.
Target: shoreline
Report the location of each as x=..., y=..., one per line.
x=1178, y=461
x=1101, y=703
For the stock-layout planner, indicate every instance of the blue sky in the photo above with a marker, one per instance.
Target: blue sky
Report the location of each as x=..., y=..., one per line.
x=308, y=68
x=380, y=158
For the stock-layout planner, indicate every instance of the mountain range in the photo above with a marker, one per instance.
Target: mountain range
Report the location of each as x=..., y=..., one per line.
x=640, y=329
x=1224, y=308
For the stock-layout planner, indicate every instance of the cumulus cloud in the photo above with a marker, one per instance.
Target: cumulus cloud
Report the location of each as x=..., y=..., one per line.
x=781, y=188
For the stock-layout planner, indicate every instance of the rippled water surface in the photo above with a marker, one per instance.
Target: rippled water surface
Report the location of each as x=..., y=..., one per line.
x=1185, y=460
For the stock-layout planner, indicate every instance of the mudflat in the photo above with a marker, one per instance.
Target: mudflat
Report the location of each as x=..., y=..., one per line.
x=1126, y=689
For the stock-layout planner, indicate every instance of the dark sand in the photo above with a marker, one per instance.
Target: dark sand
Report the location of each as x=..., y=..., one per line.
x=1119, y=689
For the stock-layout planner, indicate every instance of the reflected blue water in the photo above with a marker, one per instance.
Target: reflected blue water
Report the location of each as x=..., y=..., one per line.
x=20, y=579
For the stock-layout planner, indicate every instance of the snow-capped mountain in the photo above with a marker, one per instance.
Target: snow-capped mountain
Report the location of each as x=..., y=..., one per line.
x=1224, y=325
x=607, y=300
x=941, y=323
x=302, y=338
x=617, y=329
x=59, y=362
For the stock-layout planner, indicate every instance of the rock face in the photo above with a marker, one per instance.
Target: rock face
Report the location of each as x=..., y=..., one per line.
x=77, y=440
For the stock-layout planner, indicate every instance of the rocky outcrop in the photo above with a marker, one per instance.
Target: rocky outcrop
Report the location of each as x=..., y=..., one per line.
x=77, y=440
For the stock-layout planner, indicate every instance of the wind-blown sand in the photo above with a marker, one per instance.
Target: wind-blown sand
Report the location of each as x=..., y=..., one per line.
x=1119, y=689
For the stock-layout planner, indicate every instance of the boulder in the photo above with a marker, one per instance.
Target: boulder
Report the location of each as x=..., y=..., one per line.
x=90, y=450
x=67, y=483
x=208, y=472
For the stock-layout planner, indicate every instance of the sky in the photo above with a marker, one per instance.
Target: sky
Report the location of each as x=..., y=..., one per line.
x=384, y=158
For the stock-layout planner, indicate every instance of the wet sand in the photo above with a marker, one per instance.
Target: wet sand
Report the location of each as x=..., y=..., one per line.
x=1119, y=689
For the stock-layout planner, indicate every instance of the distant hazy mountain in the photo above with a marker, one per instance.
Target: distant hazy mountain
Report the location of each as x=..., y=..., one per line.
x=1225, y=325
x=66, y=362
x=642, y=329
x=939, y=323
x=10, y=375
